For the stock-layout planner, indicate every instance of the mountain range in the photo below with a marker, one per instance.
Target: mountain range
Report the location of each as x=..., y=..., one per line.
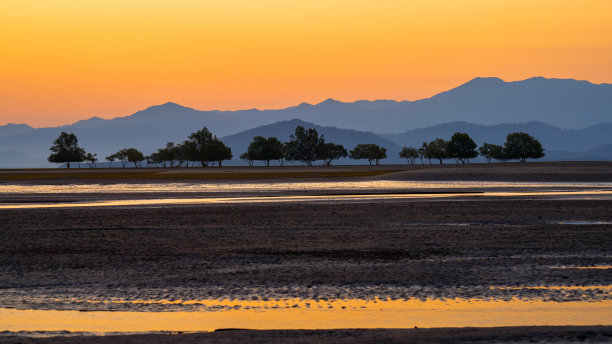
x=566, y=115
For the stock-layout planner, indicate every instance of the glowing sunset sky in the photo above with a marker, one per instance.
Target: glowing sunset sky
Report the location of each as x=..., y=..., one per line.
x=64, y=60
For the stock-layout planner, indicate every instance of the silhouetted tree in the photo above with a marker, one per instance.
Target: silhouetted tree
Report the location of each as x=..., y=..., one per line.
x=200, y=140
x=303, y=145
x=110, y=160
x=168, y=155
x=126, y=155
x=248, y=157
x=264, y=149
x=188, y=151
x=135, y=156
x=369, y=151
x=328, y=151
x=498, y=153
x=217, y=151
x=91, y=159
x=461, y=147
x=410, y=154
x=522, y=146
x=422, y=150
x=490, y=151
x=66, y=149
x=436, y=149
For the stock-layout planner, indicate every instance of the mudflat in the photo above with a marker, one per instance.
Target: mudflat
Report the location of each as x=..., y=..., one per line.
x=583, y=171
x=469, y=248
x=543, y=334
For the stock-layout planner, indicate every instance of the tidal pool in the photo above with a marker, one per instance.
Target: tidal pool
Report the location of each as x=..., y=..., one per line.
x=318, y=314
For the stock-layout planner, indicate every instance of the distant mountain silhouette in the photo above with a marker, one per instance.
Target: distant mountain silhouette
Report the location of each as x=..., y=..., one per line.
x=543, y=106
x=14, y=129
x=564, y=103
x=282, y=130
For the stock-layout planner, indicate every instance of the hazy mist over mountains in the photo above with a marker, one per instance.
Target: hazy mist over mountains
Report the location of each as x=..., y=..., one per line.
x=564, y=114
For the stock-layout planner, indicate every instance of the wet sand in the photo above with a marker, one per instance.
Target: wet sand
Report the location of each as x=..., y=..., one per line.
x=399, y=249
x=544, y=334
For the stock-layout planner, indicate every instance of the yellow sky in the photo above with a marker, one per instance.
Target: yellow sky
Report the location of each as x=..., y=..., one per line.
x=64, y=60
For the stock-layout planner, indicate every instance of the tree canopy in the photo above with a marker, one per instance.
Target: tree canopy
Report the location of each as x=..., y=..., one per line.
x=65, y=149
x=461, y=147
x=437, y=149
x=303, y=144
x=491, y=151
x=328, y=151
x=126, y=155
x=522, y=146
x=264, y=149
x=369, y=151
x=410, y=154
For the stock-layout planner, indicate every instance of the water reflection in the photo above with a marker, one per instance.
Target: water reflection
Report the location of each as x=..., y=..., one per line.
x=318, y=314
x=298, y=186
x=594, y=194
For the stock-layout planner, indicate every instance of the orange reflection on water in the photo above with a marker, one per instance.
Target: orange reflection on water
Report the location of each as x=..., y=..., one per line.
x=316, y=198
x=318, y=314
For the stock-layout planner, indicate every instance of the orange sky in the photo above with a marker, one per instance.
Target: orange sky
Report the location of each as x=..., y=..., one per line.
x=65, y=60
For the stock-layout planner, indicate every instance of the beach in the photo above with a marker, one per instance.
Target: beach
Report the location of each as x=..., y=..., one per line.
x=528, y=246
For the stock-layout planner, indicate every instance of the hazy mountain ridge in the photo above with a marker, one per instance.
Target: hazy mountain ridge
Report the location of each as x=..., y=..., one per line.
x=564, y=103
x=481, y=107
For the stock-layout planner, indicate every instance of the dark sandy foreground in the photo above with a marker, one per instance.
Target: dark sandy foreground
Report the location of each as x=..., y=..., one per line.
x=544, y=334
x=465, y=248
x=407, y=249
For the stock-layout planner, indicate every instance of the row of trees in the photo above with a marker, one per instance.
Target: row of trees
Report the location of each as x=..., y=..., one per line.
x=518, y=146
x=305, y=145
x=200, y=147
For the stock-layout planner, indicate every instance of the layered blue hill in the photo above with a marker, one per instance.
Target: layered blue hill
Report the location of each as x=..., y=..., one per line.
x=566, y=114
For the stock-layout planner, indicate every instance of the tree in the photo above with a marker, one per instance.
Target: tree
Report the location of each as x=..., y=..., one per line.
x=135, y=156
x=66, y=149
x=369, y=151
x=522, y=146
x=217, y=151
x=169, y=154
x=490, y=151
x=461, y=147
x=200, y=141
x=188, y=151
x=303, y=145
x=330, y=151
x=264, y=149
x=436, y=149
x=91, y=159
x=110, y=160
x=248, y=157
x=410, y=154
x=126, y=155
x=422, y=150
x=498, y=153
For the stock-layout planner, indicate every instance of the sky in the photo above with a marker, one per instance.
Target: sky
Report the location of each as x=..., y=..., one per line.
x=65, y=60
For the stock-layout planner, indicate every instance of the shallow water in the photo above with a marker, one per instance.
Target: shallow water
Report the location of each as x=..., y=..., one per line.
x=318, y=314
x=298, y=186
x=591, y=194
